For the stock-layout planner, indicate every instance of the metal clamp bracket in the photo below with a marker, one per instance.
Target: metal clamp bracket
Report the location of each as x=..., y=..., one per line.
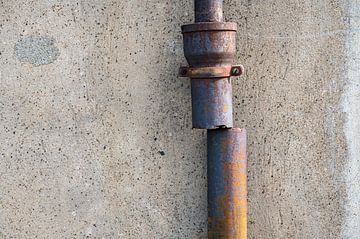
x=211, y=72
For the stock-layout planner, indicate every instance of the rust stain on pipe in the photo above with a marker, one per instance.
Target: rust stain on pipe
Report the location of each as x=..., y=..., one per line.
x=227, y=186
x=210, y=49
x=209, y=99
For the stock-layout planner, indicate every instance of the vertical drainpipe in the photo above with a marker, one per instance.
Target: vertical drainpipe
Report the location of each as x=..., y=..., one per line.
x=226, y=163
x=210, y=49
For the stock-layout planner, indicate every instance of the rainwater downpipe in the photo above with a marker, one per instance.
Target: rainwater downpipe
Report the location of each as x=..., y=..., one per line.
x=210, y=49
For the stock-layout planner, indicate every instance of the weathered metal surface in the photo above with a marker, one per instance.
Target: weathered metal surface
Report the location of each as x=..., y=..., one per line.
x=227, y=192
x=211, y=72
x=210, y=49
x=208, y=11
x=209, y=26
x=211, y=103
x=209, y=44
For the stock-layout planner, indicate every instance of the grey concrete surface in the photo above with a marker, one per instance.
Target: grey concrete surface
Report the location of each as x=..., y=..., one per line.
x=96, y=138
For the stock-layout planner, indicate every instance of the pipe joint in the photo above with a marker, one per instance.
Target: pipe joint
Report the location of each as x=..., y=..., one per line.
x=210, y=50
x=209, y=43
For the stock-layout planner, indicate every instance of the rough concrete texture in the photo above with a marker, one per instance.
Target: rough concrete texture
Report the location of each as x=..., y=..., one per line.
x=96, y=136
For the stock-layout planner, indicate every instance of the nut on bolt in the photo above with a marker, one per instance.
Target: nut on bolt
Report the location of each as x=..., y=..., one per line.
x=237, y=70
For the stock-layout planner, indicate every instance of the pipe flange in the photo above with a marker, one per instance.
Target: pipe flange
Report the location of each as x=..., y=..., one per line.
x=209, y=26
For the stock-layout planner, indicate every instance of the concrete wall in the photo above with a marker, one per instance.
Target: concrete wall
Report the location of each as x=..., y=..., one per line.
x=96, y=136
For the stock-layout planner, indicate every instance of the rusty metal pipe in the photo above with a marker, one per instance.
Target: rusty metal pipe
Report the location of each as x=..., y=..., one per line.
x=227, y=187
x=212, y=103
x=210, y=48
x=209, y=11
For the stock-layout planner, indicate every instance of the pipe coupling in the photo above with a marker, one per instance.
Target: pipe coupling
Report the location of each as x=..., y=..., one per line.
x=209, y=43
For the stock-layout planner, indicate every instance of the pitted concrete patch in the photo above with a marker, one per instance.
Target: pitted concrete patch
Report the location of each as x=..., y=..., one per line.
x=37, y=50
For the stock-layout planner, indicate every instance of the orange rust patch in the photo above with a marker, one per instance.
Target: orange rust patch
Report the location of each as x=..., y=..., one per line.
x=233, y=204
